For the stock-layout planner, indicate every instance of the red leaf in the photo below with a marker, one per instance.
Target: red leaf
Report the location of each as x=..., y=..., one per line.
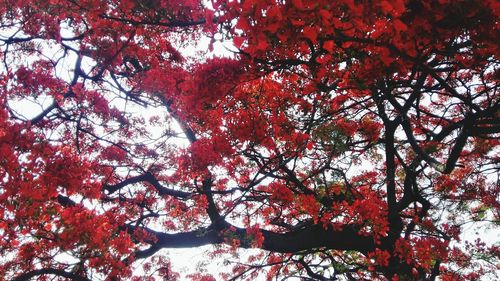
x=298, y=4
x=311, y=33
x=329, y=45
x=238, y=41
x=399, y=25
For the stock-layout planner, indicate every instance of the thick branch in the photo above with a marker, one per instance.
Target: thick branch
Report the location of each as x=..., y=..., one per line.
x=189, y=239
x=311, y=237
x=390, y=152
x=315, y=236
x=456, y=150
x=171, y=23
x=50, y=271
x=150, y=178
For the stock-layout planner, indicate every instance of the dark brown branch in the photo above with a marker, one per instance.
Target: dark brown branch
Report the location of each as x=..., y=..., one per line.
x=405, y=124
x=50, y=271
x=149, y=178
x=311, y=273
x=172, y=23
x=390, y=152
x=456, y=150
x=65, y=201
x=311, y=237
x=68, y=94
x=446, y=86
x=190, y=135
x=13, y=40
x=189, y=239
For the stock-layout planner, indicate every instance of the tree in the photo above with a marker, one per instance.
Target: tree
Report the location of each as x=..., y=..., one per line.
x=346, y=139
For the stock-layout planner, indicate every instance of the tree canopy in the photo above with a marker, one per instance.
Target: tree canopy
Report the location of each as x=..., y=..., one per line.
x=348, y=139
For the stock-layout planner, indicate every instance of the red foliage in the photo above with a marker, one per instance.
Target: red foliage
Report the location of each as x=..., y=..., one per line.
x=349, y=139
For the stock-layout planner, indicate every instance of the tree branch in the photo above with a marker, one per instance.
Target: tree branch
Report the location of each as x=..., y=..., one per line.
x=149, y=178
x=49, y=271
x=311, y=237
